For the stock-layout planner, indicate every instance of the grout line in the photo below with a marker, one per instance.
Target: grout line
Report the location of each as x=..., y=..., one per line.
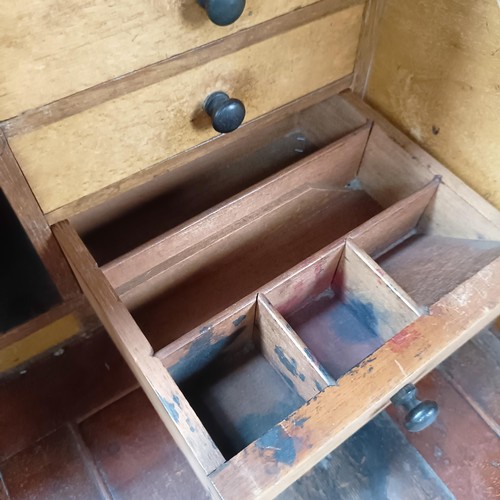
x=489, y=421
x=122, y=394
x=88, y=461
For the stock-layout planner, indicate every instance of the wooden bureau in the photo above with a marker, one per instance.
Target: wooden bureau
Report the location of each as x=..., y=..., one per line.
x=271, y=288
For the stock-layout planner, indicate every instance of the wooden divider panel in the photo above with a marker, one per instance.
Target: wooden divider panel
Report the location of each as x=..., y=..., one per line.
x=287, y=353
x=332, y=166
x=365, y=287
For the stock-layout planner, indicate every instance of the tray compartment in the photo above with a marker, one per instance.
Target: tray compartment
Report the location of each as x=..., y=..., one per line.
x=243, y=380
x=358, y=310
x=208, y=264
x=429, y=266
x=180, y=194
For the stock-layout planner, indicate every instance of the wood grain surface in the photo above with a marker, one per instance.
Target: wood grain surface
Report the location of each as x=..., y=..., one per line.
x=52, y=49
x=86, y=152
x=435, y=75
x=273, y=462
x=175, y=411
x=390, y=150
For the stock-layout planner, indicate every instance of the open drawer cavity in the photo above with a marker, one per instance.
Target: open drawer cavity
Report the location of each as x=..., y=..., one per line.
x=344, y=315
x=180, y=194
x=270, y=328
x=246, y=377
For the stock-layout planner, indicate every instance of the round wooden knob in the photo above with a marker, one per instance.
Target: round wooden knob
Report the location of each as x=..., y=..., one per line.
x=223, y=12
x=227, y=114
x=420, y=414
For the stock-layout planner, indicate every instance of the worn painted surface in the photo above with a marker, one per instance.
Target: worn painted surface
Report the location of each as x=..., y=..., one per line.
x=37, y=343
x=203, y=351
x=339, y=335
x=435, y=75
x=375, y=463
x=239, y=397
x=289, y=363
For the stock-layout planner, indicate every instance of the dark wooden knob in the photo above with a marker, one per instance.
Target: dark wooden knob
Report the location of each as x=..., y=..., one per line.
x=223, y=12
x=420, y=414
x=227, y=114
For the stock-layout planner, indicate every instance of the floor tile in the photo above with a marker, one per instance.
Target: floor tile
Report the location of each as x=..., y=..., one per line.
x=51, y=469
x=474, y=370
x=57, y=389
x=376, y=463
x=135, y=454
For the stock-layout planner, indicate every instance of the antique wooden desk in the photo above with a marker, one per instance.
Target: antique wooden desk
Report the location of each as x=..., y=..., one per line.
x=271, y=288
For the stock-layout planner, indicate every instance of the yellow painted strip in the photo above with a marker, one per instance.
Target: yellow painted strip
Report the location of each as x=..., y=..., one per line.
x=38, y=342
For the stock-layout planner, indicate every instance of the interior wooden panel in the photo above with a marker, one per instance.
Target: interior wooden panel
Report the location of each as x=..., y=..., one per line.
x=435, y=75
x=86, y=152
x=287, y=353
x=174, y=197
x=51, y=49
x=428, y=266
x=331, y=167
x=389, y=171
x=360, y=280
x=378, y=236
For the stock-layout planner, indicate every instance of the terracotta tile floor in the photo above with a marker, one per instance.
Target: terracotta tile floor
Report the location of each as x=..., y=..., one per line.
x=75, y=426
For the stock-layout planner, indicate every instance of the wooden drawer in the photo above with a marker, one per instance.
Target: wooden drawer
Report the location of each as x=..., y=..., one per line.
x=269, y=329
x=51, y=50
x=100, y=149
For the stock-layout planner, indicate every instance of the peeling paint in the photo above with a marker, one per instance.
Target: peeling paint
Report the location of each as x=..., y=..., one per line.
x=403, y=339
x=201, y=353
x=170, y=407
x=280, y=444
x=300, y=422
x=289, y=364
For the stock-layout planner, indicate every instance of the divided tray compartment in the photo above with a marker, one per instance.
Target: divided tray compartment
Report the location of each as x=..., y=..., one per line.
x=238, y=297
x=347, y=314
x=245, y=376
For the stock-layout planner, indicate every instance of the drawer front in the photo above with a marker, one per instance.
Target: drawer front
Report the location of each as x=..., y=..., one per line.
x=52, y=49
x=84, y=153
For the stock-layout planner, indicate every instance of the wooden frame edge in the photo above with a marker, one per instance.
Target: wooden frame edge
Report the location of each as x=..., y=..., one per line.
x=325, y=422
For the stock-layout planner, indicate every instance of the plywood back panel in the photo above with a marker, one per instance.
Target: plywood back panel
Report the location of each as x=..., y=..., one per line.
x=436, y=76
x=81, y=154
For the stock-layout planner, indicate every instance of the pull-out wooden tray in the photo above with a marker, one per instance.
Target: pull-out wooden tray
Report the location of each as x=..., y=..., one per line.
x=270, y=328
